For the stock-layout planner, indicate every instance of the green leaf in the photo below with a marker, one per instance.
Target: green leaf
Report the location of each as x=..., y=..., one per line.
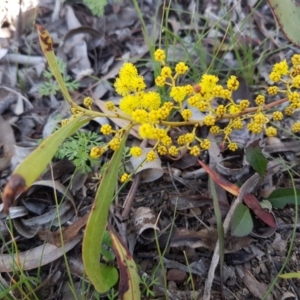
x=32, y=166
x=102, y=276
x=106, y=248
x=96, y=6
x=290, y=275
x=287, y=13
x=281, y=197
x=242, y=223
x=256, y=159
x=48, y=88
x=54, y=64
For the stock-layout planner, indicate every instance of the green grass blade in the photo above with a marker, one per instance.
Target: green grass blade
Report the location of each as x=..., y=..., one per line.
x=102, y=276
x=220, y=228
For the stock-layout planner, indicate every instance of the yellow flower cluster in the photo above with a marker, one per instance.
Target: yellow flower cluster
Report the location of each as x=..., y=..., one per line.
x=96, y=152
x=88, y=102
x=149, y=113
x=125, y=177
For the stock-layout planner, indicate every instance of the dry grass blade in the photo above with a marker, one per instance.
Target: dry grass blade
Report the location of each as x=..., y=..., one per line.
x=245, y=188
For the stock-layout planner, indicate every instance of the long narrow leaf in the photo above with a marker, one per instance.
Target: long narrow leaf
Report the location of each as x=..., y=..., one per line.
x=218, y=179
x=129, y=285
x=33, y=166
x=102, y=276
x=47, y=47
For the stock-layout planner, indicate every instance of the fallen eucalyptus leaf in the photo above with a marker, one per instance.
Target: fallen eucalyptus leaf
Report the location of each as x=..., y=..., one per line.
x=207, y=238
x=66, y=234
x=150, y=170
x=7, y=141
x=30, y=226
x=36, y=257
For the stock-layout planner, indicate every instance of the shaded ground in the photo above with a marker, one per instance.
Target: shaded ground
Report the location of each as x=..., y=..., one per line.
x=237, y=38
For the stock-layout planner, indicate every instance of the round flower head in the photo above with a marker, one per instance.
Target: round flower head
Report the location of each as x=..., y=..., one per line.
x=96, y=152
x=88, y=102
x=232, y=83
x=125, y=177
x=181, y=68
x=159, y=55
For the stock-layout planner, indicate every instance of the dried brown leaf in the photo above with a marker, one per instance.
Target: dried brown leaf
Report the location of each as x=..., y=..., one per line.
x=67, y=233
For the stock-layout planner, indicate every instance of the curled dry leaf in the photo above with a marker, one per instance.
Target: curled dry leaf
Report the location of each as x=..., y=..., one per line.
x=77, y=47
x=7, y=142
x=150, y=170
x=229, y=167
x=30, y=226
x=3, y=52
x=279, y=244
x=288, y=296
x=14, y=212
x=35, y=257
x=145, y=224
x=22, y=150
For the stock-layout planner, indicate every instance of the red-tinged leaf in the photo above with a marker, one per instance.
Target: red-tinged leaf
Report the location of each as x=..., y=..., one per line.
x=218, y=179
x=255, y=206
x=129, y=279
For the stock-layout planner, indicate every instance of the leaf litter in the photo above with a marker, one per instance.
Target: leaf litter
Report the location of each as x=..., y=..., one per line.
x=181, y=207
